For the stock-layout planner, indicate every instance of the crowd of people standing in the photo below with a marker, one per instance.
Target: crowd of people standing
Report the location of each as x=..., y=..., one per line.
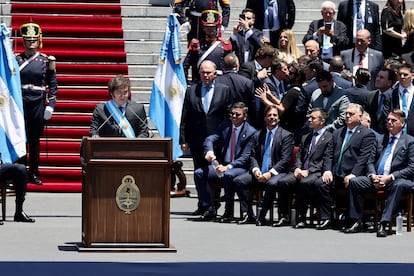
x=345, y=104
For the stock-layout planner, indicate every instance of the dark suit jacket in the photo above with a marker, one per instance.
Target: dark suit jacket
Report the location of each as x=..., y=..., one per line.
x=282, y=150
x=375, y=63
x=286, y=13
x=316, y=155
x=221, y=140
x=241, y=88
x=339, y=40
x=252, y=44
x=358, y=94
x=372, y=21
x=197, y=125
x=356, y=154
x=378, y=124
x=402, y=164
x=340, y=81
x=135, y=114
x=392, y=101
x=248, y=70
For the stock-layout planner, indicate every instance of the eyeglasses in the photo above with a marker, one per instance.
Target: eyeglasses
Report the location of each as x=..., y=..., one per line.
x=350, y=114
x=237, y=114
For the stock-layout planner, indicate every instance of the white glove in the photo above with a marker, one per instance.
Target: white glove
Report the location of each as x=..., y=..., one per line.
x=185, y=28
x=48, y=113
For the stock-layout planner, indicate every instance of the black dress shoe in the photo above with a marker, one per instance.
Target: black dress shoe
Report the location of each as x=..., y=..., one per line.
x=227, y=217
x=356, y=227
x=382, y=232
x=210, y=214
x=246, y=219
x=282, y=222
x=35, y=180
x=260, y=222
x=326, y=224
x=199, y=212
x=299, y=225
x=1, y=222
x=22, y=217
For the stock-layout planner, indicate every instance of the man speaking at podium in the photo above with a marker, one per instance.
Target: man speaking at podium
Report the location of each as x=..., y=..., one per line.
x=119, y=117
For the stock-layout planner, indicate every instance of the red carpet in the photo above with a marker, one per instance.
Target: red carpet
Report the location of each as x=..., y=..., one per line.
x=86, y=39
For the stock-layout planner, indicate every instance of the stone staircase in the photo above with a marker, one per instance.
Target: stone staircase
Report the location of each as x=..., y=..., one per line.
x=143, y=22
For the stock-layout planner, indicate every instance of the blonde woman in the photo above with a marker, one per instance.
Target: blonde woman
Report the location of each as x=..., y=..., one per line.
x=408, y=28
x=288, y=50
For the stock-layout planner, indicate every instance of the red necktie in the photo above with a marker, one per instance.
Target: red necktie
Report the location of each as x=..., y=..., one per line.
x=361, y=59
x=233, y=144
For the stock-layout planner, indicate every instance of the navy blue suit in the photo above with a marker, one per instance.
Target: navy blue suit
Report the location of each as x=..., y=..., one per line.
x=281, y=153
x=402, y=167
x=219, y=142
x=251, y=45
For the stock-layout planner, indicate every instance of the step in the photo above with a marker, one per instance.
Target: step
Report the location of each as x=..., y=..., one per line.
x=67, y=8
x=53, y=186
x=59, y=160
x=91, y=68
x=83, y=94
x=66, y=132
x=67, y=119
x=60, y=146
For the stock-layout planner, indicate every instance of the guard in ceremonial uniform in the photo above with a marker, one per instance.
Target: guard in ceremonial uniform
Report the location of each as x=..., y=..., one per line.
x=193, y=14
x=211, y=47
x=39, y=89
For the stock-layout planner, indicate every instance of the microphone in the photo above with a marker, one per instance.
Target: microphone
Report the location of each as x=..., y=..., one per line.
x=142, y=121
x=104, y=123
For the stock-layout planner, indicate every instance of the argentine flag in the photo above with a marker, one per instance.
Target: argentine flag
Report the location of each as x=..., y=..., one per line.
x=12, y=130
x=169, y=86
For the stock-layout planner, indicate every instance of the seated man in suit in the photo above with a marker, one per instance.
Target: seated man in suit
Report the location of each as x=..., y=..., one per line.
x=269, y=162
x=392, y=170
x=119, y=116
x=233, y=137
x=346, y=157
x=18, y=175
x=309, y=161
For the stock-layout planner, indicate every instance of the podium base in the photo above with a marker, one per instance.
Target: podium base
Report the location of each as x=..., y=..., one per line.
x=129, y=247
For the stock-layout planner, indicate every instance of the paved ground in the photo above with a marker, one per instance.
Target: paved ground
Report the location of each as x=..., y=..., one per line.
x=58, y=226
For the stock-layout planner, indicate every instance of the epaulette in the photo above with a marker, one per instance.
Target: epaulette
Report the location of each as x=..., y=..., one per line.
x=194, y=45
x=226, y=44
x=226, y=2
x=43, y=55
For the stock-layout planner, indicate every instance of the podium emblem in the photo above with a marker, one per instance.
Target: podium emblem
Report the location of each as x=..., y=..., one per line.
x=128, y=195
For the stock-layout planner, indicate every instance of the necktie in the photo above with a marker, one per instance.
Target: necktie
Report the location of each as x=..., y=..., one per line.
x=348, y=136
x=266, y=155
x=206, y=98
x=404, y=106
x=233, y=144
x=380, y=104
x=310, y=150
x=121, y=109
x=361, y=60
x=280, y=90
x=385, y=156
x=359, y=22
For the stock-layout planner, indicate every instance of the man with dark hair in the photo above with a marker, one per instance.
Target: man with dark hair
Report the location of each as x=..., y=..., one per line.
x=375, y=100
x=269, y=161
x=273, y=16
x=331, y=98
x=246, y=39
x=308, y=164
x=230, y=145
x=359, y=93
x=402, y=97
x=392, y=170
x=336, y=67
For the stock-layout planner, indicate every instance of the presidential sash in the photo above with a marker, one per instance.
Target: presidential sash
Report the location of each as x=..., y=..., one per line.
x=120, y=119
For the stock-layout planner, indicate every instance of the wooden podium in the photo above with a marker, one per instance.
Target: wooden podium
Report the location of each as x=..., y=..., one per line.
x=126, y=194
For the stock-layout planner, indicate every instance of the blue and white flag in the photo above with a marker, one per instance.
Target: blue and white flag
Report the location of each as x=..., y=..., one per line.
x=12, y=129
x=169, y=86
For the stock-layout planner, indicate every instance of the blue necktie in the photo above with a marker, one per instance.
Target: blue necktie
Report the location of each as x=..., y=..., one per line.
x=385, y=156
x=380, y=105
x=281, y=94
x=206, y=98
x=348, y=136
x=404, y=106
x=311, y=148
x=266, y=155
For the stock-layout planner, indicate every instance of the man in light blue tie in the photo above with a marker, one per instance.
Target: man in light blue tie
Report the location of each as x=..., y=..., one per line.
x=392, y=170
x=269, y=162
